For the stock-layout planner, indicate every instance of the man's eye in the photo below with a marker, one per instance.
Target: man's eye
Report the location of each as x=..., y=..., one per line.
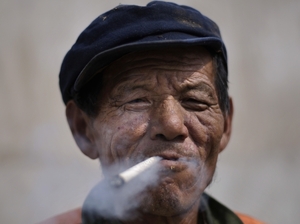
x=137, y=104
x=194, y=104
x=191, y=100
x=139, y=100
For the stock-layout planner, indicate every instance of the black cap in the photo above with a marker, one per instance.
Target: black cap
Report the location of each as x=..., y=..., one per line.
x=129, y=28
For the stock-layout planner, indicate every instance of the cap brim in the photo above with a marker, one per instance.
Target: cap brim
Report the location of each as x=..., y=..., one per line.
x=104, y=58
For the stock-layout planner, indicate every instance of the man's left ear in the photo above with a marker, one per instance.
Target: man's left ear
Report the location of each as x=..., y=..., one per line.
x=227, y=127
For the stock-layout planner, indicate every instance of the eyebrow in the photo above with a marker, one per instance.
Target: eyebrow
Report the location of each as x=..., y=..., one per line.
x=125, y=88
x=202, y=87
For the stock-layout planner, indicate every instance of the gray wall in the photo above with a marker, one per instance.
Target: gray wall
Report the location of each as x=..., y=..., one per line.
x=43, y=173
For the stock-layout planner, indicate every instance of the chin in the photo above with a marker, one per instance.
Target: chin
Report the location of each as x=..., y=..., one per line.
x=167, y=200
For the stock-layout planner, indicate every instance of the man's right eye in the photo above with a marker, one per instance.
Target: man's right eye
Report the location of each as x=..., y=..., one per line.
x=137, y=104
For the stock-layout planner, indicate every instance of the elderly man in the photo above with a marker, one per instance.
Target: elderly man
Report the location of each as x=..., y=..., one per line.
x=144, y=82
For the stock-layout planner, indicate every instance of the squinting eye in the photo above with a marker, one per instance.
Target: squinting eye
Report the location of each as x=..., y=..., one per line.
x=137, y=104
x=193, y=104
x=137, y=101
x=191, y=100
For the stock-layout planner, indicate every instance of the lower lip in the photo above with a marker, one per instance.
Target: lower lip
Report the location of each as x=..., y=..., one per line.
x=173, y=165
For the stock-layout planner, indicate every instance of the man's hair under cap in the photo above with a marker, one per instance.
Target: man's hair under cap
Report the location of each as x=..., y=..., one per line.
x=129, y=28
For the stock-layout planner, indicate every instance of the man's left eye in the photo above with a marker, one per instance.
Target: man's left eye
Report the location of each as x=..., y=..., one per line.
x=194, y=104
x=139, y=100
x=191, y=100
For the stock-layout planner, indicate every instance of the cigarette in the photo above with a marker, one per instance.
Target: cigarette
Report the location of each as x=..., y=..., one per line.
x=134, y=171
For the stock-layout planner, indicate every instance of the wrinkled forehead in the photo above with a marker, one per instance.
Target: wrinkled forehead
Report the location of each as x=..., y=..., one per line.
x=174, y=59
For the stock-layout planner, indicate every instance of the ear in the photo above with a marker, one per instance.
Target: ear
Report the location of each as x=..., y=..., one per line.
x=227, y=127
x=81, y=129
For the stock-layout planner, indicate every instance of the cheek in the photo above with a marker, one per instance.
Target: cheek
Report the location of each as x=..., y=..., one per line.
x=206, y=130
x=103, y=136
x=123, y=136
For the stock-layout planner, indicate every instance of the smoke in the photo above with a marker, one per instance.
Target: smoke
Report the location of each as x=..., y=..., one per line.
x=123, y=203
x=107, y=201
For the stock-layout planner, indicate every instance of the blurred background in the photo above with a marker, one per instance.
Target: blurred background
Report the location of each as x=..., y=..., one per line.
x=43, y=173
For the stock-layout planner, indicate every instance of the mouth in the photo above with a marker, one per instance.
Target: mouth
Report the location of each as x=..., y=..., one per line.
x=172, y=162
x=169, y=156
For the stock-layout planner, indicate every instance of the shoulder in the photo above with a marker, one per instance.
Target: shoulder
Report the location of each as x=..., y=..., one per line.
x=248, y=220
x=70, y=217
x=219, y=213
x=74, y=217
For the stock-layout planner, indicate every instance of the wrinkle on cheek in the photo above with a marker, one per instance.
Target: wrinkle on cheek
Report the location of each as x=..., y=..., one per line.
x=206, y=132
x=140, y=132
x=198, y=128
x=103, y=127
x=215, y=128
x=105, y=154
x=127, y=137
x=113, y=152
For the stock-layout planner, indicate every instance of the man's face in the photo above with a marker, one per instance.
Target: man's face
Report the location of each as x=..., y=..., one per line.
x=162, y=103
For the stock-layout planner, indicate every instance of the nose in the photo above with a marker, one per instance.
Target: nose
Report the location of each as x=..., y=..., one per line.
x=167, y=121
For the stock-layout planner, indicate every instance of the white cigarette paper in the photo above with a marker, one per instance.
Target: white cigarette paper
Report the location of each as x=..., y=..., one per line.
x=134, y=171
